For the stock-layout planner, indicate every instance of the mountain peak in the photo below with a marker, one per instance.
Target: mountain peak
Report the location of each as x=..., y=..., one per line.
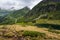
x=26, y=8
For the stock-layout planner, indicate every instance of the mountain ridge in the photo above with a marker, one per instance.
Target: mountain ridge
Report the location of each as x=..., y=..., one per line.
x=14, y=17
x=51, y=8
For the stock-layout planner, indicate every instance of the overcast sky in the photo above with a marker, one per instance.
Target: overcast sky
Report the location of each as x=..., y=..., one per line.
x=18, y=4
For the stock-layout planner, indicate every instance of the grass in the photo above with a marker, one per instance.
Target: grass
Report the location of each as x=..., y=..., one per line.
x=33, y=34
x=42, y=21
x=24, y=23
x=54, y=31
x=30, y=32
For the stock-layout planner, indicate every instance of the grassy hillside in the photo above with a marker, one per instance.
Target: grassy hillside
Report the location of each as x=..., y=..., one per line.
x=46, y=9
x=20, y=13
x=14, y=17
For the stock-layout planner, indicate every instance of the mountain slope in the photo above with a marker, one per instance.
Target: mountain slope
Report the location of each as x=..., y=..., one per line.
x=20, y=13
x=49, y=9
x=4, y=12
x=14, y=16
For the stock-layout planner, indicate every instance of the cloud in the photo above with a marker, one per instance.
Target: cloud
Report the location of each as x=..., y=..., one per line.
x=18, y=4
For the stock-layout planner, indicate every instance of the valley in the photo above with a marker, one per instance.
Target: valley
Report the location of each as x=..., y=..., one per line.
x=42, y=22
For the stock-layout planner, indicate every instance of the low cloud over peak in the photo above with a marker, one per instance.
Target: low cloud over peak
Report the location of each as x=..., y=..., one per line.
x=18, y=4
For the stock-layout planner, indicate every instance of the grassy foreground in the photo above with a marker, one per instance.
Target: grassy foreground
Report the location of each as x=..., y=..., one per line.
x=19, y=32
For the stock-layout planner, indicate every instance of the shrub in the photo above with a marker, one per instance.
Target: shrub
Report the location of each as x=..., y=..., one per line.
x=33, y=34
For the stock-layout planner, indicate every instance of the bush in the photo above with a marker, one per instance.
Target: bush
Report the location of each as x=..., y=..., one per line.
x=33, y=34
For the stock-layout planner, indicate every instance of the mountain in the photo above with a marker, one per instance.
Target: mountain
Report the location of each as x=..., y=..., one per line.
x=20, y=13
x=46, y=9
x=15, y=16
x=51, y=0
x=4, y=12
